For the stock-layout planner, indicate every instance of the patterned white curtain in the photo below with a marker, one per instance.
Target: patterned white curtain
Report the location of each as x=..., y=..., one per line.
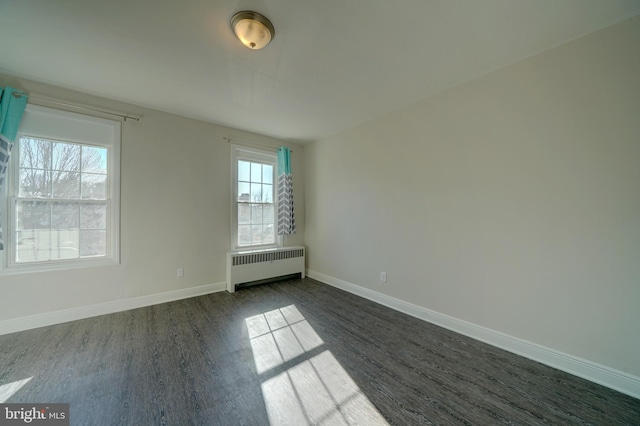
x=286, y=217
x=12, y=105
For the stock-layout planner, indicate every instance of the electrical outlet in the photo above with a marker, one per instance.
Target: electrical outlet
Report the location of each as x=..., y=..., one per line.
x=383, y=277
x=180, y=272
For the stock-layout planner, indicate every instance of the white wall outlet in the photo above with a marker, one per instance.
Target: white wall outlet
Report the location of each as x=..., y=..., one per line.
x=383, y=277
x=180, y=272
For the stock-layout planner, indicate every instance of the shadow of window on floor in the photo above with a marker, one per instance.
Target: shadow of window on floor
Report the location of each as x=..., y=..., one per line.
x=302, y=382
x=6, y=391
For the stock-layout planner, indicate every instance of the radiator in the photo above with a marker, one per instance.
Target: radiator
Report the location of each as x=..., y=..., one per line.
x=253, y=267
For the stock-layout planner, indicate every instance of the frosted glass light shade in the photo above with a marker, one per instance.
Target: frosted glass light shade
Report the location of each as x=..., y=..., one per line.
x=252, y=29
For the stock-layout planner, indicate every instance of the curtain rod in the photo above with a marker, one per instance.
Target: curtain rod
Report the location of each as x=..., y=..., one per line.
x=228, y=139
x=123, y=116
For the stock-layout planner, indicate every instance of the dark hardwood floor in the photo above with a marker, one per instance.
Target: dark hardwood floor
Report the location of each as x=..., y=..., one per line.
x=294, y=352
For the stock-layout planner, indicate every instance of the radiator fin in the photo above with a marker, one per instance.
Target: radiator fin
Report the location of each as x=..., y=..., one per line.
x=270, y=256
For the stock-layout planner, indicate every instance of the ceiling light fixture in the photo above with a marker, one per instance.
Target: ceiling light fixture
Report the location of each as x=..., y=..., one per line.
x=253, y=29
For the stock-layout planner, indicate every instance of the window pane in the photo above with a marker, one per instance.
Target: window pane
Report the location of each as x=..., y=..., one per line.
x=268, y=234
x=94, y=159
x=66, y=185
x=256, y=234
x=243, y=192
x=256, y=193
x=33, y=215
x=65, y=244
x=94, y=186
x=93, y=216
x=244, y=235
x=66, y=157
x=243, y=171
x=65, y=215
x=267, y=173
x=35, y=183
x=267, y=214
x=32, y=245
x=256, y=213
x=35, y=153
x=244, y=214
x=93, y=243
x=267, y=193
x=256, y=172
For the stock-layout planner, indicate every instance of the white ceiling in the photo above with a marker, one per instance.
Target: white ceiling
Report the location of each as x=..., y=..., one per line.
x=332, y=64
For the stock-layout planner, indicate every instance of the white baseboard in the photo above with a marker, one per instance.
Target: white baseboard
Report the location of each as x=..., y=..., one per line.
x=597, y=373
x=57, y=317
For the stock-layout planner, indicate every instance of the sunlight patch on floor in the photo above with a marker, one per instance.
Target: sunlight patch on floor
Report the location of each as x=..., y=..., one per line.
x=314, y=389
x=279, y=336
x=6, y=391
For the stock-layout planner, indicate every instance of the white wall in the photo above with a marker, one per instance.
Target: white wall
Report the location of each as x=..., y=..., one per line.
x=511, y=201
x=175, y=212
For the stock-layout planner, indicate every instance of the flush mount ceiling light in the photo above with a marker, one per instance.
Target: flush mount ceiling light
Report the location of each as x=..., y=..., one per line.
x=252, y=29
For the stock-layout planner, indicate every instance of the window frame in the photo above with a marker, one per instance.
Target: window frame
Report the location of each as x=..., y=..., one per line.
x=69, y=127
x=240, y=152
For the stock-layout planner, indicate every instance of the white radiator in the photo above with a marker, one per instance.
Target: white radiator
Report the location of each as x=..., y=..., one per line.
x=250, y=267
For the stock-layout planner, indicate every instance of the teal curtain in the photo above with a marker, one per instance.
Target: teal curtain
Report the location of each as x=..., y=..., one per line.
x=286, y=217
x=12, y=105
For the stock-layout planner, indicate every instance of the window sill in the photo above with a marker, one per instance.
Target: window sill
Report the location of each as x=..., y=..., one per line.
x=56, y=266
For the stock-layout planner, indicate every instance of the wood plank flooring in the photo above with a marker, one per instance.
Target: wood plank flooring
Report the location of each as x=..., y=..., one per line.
x=294, y=352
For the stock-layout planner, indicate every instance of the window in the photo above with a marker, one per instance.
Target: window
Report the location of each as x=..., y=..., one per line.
x=254, y=209
x=63, y=198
